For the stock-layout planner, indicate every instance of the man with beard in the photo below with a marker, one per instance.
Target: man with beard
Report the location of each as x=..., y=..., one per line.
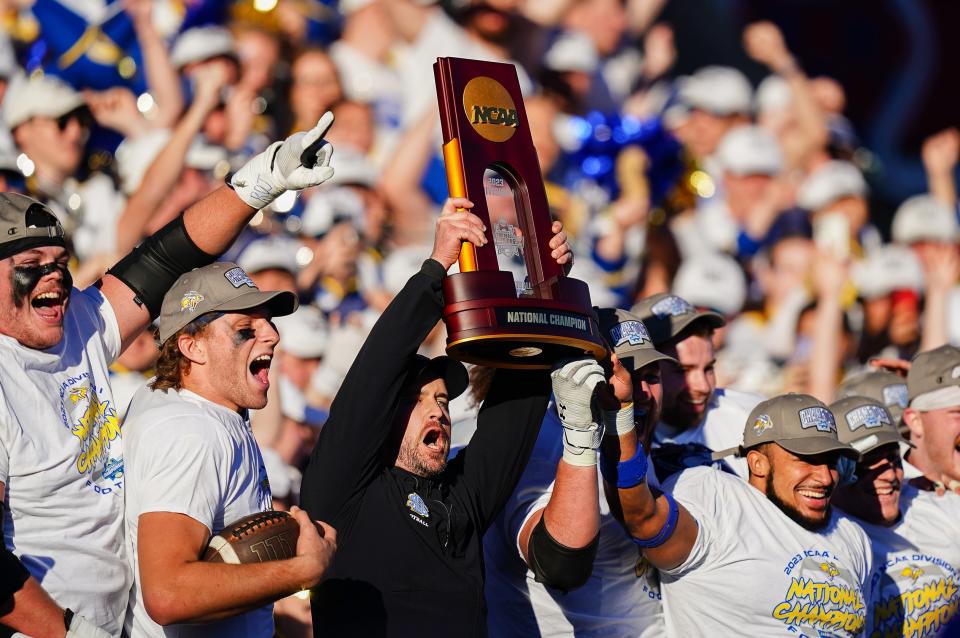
x=558, y=560
x=915, y=584
x=933, y=417
x=193, y=466
x=760, y=557
x=61, y=462
x=698, y=418
x=410, y=524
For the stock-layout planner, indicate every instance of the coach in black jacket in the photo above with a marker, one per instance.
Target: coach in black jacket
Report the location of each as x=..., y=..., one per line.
x=409, y=524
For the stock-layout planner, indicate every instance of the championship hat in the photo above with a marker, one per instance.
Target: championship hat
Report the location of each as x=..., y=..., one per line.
x=799, y=423
x=219, y=287
x=666, y=316
x=26, y=223
x=749, y=150
x=629, y=339
x=934, y=379
x=719, y=90
x=712, y=280
x=831, y=181
x=880, y=385
x=864, y=424
x=305, y=333
x=200, y=44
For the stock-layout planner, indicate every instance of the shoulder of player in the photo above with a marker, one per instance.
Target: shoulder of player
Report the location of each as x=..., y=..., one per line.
x=737, y=399
x=156, y=411
x=704, y=480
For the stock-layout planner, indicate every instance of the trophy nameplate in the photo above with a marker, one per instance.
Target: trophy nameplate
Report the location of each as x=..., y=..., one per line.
x=511, y=305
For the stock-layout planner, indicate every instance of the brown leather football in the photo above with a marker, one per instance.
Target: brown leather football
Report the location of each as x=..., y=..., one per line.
x=256, y=538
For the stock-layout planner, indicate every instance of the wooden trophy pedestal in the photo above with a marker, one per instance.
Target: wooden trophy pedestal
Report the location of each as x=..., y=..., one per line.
x=488, y=324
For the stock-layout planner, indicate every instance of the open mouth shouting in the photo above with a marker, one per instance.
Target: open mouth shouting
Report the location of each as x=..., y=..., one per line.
x=435, y=439
x=50, y=305
x=260, y=369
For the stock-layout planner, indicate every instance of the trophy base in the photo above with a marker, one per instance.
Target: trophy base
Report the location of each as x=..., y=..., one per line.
x=521, y=333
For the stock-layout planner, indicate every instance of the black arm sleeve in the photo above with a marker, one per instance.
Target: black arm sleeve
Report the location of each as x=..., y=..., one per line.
x=486, y=472
x=152, y=267
x=558, y=566
x=348, y=454
x=12, y=577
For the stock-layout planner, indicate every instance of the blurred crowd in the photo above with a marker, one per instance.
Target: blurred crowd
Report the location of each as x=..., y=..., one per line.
x=749, y=201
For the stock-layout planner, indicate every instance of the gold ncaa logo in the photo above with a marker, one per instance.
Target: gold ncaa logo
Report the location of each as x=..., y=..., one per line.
x=490, y=109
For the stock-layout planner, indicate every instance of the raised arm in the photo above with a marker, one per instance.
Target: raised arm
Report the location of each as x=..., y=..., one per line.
x=347, y=454
x=135, y=286
x=559, y=541
x=940, y=152
x=162, y=79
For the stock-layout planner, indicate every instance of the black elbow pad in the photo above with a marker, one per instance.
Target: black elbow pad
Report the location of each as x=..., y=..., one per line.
x=556, y=565
x=12, y=576
x=150, y=269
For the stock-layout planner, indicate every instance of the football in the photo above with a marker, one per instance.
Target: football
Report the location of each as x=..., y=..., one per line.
x=256, y=538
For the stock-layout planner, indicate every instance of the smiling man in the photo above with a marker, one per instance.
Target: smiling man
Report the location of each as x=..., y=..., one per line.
x=933, y=418
x=697, y=418
x=193, y=465
x=915, y=584
x=761, y=557
x=410, y=557
x=61, y=458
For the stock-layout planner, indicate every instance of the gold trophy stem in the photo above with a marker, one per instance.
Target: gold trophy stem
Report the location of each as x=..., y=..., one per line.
x=457, y=188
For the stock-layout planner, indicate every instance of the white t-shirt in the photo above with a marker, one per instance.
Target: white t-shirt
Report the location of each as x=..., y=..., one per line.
x=754, y=572
x=61, y=462
x=915, y=584
x=190, y=456
x=721, y=429
x=622, y=596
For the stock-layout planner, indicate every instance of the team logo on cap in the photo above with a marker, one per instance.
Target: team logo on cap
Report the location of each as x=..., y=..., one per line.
x=672, y=306
x=895, y=394
x=866, y=416
x=762, y=424
x=416, y=505
x=238, y=278
x=630, y=332
x=817, y=417
x=190, y=300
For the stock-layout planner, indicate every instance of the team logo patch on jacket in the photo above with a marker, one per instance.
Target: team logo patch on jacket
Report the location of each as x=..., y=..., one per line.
x=417, y=506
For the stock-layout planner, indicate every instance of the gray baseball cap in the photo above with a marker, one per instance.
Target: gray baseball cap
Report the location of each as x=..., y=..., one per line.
x=934, y=379
x=864, y=424
x=26, y=223
x=888, y=388
x=219, y=287
x=798, y=423
x=666, y=316
x=628, y=338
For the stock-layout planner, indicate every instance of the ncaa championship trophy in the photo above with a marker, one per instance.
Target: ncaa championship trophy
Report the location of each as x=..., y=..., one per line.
x=511, y=305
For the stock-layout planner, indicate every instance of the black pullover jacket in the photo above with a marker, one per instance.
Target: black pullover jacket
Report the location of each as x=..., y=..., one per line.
x=410, y=552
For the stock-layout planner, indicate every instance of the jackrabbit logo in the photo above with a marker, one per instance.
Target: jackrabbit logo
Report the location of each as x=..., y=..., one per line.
x=823, y=597
x=914, y=595
x=93, y=420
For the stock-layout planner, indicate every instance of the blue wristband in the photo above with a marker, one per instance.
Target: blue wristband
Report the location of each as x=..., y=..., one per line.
x=666, y=531
x=626, y=474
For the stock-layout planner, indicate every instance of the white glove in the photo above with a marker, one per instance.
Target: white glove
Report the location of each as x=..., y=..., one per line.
x=574, y=384
x=278, y=169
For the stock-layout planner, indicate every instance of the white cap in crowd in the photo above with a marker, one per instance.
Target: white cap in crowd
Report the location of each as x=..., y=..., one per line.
x=886, y=269
x=773, y=94
x=347, y=7
x=572, y=51
x=135, y=154
x=924, y=218
x=200, y=44
x=749, y=150
x=328, y=207
x=352, y=168
x=719, y=90
x=38, y=96
x=831, y=181
x=712, y=280
x=274, y=252
x=303, y=334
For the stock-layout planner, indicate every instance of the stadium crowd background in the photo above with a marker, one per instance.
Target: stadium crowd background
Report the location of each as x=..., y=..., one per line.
x=758, y=201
